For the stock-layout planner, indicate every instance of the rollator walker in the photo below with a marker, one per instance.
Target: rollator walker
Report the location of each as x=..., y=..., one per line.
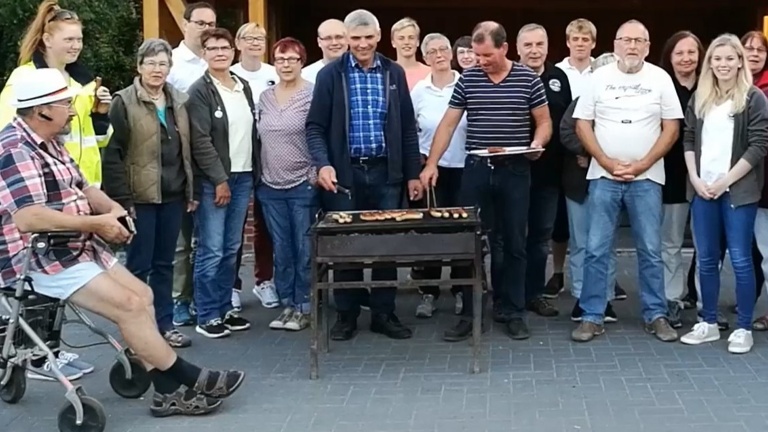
x=33, y=333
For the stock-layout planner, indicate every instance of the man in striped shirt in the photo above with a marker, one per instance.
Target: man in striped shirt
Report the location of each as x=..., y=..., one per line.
x=502, y=99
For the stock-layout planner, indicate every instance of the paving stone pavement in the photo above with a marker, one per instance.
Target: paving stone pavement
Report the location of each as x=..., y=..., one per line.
x=623, y=381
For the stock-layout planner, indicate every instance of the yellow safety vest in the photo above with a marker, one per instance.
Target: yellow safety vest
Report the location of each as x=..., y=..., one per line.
x=82, y=143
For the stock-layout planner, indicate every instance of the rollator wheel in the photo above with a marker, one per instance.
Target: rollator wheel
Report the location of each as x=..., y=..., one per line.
x=129, y=388
x=13, y=391
x=94, y=417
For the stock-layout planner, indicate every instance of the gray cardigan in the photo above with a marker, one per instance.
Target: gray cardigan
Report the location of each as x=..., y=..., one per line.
x=750, y=142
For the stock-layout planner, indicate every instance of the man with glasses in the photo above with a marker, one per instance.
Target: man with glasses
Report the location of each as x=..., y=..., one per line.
x=188, y=66
x=627, y=120
x=332, y=40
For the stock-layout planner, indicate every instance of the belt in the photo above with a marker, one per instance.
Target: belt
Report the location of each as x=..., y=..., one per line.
x=368, y=161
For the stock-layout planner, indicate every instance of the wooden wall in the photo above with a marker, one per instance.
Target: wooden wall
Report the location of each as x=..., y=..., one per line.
x=706, y=18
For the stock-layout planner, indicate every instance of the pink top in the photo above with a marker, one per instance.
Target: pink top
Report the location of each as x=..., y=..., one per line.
x=416, y=74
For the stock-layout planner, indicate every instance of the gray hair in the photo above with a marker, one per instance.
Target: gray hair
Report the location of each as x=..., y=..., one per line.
x=361, y=18
x=153, y=47
x=531, y=27
x=433, y=37
x=604, y=60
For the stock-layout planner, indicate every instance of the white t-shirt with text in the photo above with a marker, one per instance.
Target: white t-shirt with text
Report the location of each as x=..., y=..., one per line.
x=259, y=80
x=627, y=110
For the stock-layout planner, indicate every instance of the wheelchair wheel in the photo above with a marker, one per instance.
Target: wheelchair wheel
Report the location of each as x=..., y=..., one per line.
x=13, y=391
x=133, y=388
x=94, y=417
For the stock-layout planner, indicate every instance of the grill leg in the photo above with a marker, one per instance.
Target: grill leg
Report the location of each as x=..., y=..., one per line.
x=313, y=322
x=477, y=306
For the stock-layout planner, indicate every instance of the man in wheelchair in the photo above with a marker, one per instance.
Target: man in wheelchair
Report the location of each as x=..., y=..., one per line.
x=42, y=191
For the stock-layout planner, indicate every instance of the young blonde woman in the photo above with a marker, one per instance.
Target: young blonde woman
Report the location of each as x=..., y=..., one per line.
x=725, y=141
x=54, y=39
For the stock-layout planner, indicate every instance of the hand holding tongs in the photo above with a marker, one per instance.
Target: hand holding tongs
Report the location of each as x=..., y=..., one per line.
x=431, y=198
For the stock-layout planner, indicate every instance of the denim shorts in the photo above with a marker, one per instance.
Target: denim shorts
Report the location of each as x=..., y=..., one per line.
x=68, y=281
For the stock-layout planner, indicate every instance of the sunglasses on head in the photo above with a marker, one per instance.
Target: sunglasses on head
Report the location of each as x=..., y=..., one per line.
x=63, y=15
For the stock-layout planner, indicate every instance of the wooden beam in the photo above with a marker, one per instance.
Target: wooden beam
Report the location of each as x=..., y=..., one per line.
x=257, y=12
x=176, y=7
x=151, y=17
x=765, y=25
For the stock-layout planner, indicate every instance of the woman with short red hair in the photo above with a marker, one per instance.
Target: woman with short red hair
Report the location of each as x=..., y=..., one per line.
x=287, y=190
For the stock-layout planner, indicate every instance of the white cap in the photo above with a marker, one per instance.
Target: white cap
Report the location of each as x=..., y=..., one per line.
x=39, y=87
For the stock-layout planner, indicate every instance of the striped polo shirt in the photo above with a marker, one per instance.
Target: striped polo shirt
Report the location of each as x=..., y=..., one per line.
x=499, y=115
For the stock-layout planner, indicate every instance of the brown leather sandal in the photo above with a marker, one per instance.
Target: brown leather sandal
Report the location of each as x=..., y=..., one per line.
x=760, y=324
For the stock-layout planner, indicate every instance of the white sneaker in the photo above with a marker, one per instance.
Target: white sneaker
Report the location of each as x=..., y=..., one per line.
x=73, y=360
x=282, y=319
x=740, y=341
x=237, y=305
x=426, y=308
x=298, y=322
x=267, y=294
x=701, y=333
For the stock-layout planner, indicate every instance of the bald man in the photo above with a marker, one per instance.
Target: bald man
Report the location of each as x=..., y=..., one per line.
x=332, y=39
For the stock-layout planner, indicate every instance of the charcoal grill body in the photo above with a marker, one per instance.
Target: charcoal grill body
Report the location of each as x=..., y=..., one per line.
x=389, y=243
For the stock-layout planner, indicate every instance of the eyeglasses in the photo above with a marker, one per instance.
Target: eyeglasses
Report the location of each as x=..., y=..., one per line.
x=67, y=105
x=751, y=49
x=63, y=15
x=288, y=60
x=252, y=39
x=222, y=49
x=442, y=50
x=334, y=38
x=202, y=25
x=629, y=40
x=153, y=65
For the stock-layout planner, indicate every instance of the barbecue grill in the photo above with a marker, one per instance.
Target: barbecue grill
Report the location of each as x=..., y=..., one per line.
x=359, y=244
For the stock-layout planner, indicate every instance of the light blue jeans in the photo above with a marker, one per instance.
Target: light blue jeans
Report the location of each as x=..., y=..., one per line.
x=578, y=224
x=642, y=199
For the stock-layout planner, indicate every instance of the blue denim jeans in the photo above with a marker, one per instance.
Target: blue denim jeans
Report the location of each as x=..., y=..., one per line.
x=502, y=192
x=220, y=232
x=642, y=199
x=150, y=254
x=542, y=212
x=578, y=224
x=289, y=215
x=370, y=191
x=710, y=219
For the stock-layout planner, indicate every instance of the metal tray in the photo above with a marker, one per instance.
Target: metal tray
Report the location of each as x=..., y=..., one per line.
x=326, y=224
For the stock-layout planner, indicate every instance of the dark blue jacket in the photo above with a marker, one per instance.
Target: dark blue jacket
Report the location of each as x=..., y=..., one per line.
x=328, y=123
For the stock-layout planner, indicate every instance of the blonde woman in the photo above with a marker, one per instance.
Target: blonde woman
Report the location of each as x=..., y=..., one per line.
x=725, y=141
x=251, y=41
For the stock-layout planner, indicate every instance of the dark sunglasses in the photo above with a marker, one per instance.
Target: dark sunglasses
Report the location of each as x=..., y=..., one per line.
x=63, y=15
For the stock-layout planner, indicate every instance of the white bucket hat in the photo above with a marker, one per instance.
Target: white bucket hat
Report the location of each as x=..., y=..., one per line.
x=39, y=87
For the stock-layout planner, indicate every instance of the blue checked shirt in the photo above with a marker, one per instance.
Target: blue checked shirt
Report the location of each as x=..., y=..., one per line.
x=367, y=108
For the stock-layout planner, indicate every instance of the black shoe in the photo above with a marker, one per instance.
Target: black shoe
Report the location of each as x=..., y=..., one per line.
x=689, y=301
x=389, y=325
x=517, y=329
x=344, y=329
x=555, y=285
x=235, y=322
x=577, y=312
x=542, y=307
x=461, y=331
x=610, y=314
x=182, y=402
x=619, y=293
x=213, y=329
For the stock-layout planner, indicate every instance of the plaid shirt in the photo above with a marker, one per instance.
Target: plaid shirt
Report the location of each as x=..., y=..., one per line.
x=367, y=108
x=35, y=172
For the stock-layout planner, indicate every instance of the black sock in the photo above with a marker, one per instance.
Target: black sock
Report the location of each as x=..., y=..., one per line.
x=163, y=383
x=184, y=372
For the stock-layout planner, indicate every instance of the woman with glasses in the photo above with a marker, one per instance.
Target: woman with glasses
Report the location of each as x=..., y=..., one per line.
x=147, y=169
x=54, y=39
x=463, y=54
x=287, y=191
x=726, y=140
x=225, y=147
x=251, y=41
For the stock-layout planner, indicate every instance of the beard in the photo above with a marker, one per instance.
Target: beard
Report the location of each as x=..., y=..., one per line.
x=632, y=63
x=66, y=129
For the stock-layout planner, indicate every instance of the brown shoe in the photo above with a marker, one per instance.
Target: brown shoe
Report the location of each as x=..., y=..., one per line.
x=661, y=328
x=586, y=331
